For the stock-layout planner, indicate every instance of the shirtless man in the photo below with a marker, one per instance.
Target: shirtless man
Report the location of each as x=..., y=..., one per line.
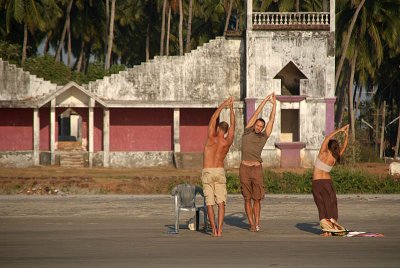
x=250, y=171
x=219, y=140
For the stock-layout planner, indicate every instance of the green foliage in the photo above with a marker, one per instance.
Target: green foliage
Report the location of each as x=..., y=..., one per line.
x=346, y=180
x=10, y=52
x=353, y=152
x=232, y=183
x=96, y=71
x=349, y=180
x=46, y=68
x=56, y=72
x=287, y=182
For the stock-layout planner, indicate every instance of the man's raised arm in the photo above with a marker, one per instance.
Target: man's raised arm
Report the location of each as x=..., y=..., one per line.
x=257, y=112
x=231, y=131
x=214, y=117
x=270, y=124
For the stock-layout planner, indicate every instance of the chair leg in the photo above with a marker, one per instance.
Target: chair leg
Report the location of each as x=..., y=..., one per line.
x=177, y=221
x=205, y=219
x=197, y=219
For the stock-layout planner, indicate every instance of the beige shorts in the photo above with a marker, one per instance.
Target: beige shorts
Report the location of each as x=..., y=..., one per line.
x=214, y=185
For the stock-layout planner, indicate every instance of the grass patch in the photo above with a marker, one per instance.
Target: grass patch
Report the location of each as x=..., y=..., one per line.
x=346, y=180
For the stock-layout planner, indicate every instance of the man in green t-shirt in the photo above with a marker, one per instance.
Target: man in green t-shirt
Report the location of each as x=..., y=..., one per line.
x=250, y=171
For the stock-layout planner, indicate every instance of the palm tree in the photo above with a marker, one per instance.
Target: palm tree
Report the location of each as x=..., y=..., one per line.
x=32, y=15
x=66, y=29
x=347, y=38
x=164, y=9
x=110, y=36
x=180, y=27
x=375, y=27
x=228, y=16
x=189, y=27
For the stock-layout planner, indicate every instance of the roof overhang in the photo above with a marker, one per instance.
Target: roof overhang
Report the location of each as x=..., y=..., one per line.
x=70, y=95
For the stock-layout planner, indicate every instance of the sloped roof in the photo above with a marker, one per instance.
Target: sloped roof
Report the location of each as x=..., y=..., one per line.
x=65, y=88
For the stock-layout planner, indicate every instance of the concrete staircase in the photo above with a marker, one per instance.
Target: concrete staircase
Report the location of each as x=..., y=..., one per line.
x=18, y=84
x=192, y=76
x=71, y=154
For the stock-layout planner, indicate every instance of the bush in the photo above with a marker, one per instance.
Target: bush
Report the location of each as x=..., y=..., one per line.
x=10, y=52
x=46, y=68
x=57, y=72
x=345, y=179
x=232, y=183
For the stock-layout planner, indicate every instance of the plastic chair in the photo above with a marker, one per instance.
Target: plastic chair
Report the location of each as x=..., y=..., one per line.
x=185, y=200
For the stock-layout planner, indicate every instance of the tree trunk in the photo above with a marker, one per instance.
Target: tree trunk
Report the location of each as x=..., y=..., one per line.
x=347, y=42
x=163, y=28
x=107, y=23
x=189, y=27
x=64, y=32
x=168, y=31
x=351, y=106
x=148, y=41
x=228, y=16
x=396, y=152
x=180, y=28
x=24, y=44
x=69, y=60
x=80, y=59
x=47, y=43
x=383, y=130
x=360, y=89
x=297, y=6
x=325, y=6
x=340, y=104
x=376, y=133
x=110, y=37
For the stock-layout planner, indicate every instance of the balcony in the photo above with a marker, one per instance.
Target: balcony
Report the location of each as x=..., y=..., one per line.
x=291, y=21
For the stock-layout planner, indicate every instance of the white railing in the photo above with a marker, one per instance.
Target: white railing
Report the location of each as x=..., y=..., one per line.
x=291, y=18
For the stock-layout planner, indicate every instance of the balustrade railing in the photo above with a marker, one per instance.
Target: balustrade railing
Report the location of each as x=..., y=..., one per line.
x=291, y=18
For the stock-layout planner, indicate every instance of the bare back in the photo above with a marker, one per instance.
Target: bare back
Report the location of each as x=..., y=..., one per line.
x=215, y=152
x=327, y=158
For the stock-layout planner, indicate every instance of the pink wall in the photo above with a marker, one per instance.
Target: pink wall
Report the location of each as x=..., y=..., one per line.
x=44, y=114
x=98, y=129
x=16, y=129
x=193, y=130
x=141, y=129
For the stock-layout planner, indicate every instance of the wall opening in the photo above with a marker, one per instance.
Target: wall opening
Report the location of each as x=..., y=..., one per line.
x=290, y=77
x=290, y=124
x=69, y=126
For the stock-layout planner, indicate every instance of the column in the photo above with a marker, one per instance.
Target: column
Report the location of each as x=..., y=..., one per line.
x=52, y=131
x=332, y=15
x=249, y=12
x=177, y=139
x=106, y=137
x=330, y=115
x=36, y=136
x=90, y=138
x=250, y=108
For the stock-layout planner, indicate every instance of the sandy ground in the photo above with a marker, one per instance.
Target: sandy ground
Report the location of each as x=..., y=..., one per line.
x=159, y=180
x=134, y=231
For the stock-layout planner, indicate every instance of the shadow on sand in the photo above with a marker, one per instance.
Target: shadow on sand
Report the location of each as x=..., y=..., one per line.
x=237, y=219
x=311, y=227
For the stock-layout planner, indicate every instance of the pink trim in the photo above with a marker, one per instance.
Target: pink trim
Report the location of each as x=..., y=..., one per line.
x=250, y=108
x=330, y=114
x=289, y=98
x=290, y=145
x=290, y=153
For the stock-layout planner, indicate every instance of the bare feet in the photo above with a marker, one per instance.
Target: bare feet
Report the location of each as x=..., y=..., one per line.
x=214, y=233
x=326, y=234
x=252, y=228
